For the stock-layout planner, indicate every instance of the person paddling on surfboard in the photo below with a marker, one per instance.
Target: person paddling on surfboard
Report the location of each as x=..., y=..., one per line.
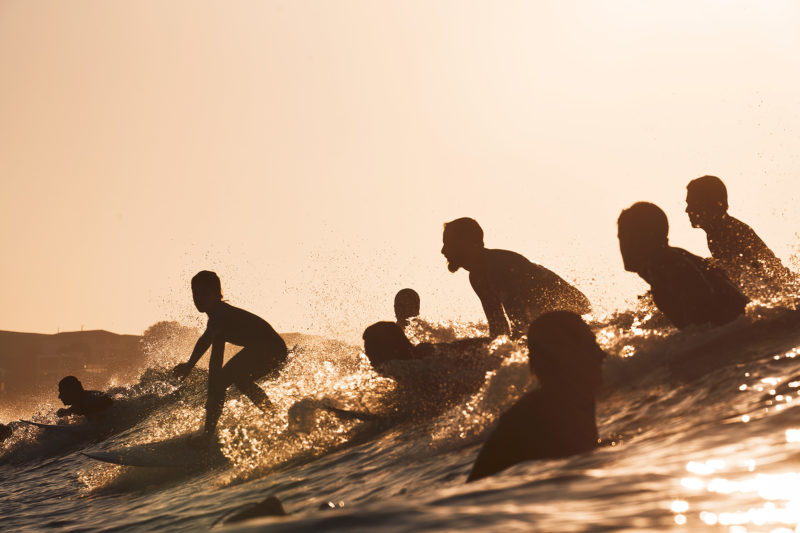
x=513, y=291
x=81, y=402
x=685, y=287
x=263, y=351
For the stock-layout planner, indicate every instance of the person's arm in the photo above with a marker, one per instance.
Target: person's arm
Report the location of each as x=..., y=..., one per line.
x=200, y=347
x=492, y=307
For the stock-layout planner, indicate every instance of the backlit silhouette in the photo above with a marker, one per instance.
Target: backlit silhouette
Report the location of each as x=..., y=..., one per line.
x=735, y=247
x=512, y=290
x=556, y=419
x=263, y=350
x=685, y=287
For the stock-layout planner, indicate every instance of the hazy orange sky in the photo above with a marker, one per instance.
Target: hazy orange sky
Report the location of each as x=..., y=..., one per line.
x=309, y=152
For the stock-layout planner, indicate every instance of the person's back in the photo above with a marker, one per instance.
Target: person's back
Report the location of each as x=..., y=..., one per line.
x=734, y=246
x=558, y=418
x=526, y=289
x=242, y=328
x=689, y=291
x=513, y=291
x=685, y=287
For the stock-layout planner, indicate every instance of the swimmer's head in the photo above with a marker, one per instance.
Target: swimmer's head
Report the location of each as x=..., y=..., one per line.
x=406, y=305
x=641, y=229
x=706, y=200
x=564, y=353
x=206, y=290
x=70, y=390
x=462, y=242
x=385, y=341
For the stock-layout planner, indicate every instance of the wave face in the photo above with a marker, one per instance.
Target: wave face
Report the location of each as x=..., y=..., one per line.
x=701, y=431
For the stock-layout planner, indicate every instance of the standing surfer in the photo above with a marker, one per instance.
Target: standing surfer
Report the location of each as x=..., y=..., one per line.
x=263, y=350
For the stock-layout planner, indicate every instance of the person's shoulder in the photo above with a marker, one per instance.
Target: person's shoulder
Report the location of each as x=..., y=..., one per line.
x=737, y=226
x=527, y=407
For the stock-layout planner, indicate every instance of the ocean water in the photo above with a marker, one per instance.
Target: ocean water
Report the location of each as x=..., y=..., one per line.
x=700, y=429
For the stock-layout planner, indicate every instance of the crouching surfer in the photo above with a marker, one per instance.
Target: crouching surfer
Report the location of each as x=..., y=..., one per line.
x=79, y=401
x=557, y=419
x=263, y=351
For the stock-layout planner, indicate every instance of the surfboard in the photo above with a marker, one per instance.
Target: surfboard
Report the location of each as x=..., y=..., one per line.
x=173, y=453
x=73, y=429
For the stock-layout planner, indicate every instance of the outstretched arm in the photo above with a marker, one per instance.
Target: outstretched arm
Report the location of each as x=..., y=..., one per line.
x=200, y=347
x=498, y=324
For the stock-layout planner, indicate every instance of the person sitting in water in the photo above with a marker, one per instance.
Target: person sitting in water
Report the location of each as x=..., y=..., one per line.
x=557, y=419
x=80, y=401
x=734, y=246
x=685, y=287
x=513, y=291
x=263, y=350
x=406, y=306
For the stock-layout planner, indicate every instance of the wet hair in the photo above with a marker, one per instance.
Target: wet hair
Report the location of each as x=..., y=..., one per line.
x=644, y=221
x=709, y=191
x=564, y=352
x=406, y=303
x=465, y=230
x=209, y=280
x=385, y=341
x=70, y=383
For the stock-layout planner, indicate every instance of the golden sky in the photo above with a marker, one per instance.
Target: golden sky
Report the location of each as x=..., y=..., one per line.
x=309, y=152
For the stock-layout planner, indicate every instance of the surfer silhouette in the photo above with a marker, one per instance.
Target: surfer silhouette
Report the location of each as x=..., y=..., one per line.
x=81, y=402
x=263, y=351
x=734, y=246
x=406, y=306
x=685, y=287
x=429, y=377
x=557, y=419
x=513, y=291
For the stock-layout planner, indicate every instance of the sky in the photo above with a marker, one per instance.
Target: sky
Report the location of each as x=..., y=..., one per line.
x=309, y=152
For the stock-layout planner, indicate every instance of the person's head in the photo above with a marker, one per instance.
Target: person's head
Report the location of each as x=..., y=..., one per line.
x=406, y=304
x=385, y=341
x=70, y=390
x=462, y=242
x=206, y=290
x=706, y=200
x=641, y=229
x=564, y=353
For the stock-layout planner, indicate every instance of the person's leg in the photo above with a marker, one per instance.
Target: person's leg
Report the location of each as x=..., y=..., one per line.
x=243, y=370
x=218, y=382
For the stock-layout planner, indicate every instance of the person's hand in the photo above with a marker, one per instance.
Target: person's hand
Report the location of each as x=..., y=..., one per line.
x=182, y=370
x=62, y=412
